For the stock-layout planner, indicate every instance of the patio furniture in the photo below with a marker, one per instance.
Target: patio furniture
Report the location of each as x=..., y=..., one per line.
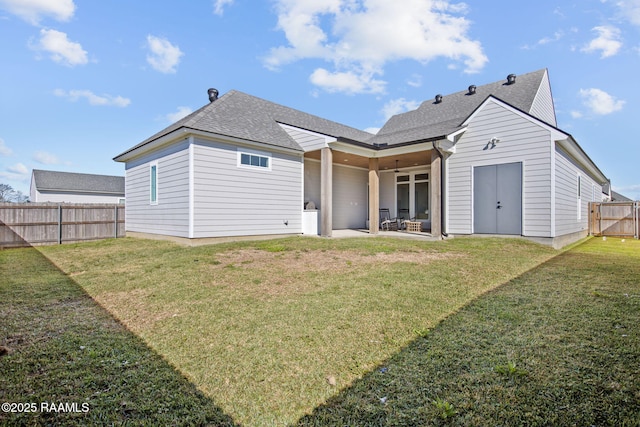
x=386, y=222
x=413, y=226
x=403, y=216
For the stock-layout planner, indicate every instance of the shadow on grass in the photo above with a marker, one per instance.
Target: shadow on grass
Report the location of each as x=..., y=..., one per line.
x=65, y=361
x=558, y=345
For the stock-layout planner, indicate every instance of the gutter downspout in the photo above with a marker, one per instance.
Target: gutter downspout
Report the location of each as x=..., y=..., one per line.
x=442, y=221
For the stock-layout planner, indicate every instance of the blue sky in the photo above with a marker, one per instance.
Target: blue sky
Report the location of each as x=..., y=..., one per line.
x=82, y=81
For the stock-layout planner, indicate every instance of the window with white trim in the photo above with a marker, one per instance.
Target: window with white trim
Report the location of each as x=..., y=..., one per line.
x=254, y=159
x=153, y=183
x=579, y=197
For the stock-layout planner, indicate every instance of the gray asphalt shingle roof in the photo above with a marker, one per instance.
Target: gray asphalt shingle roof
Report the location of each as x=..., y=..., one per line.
x=78, y=182
x=239, y=115
x=433, y=119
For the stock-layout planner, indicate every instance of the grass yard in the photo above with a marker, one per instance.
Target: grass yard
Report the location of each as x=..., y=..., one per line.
x=63, y=348
x=325, y=332
x=557, y=346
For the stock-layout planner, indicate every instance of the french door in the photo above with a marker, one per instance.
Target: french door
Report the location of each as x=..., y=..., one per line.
x=412, y=191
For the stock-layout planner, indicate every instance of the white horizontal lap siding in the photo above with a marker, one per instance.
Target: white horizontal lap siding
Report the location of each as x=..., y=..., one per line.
x=307, y=140
x=388, y=193
x=232, y=200
x=349, y=197
x=521, y=140
x=567, y=171
x=350, y=189
x=171, y=214
x=542, y=107
x=312, y=182
x=54, y=197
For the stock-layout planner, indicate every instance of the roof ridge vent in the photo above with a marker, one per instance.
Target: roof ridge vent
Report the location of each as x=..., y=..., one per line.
x=438, y=99
x=213, y=94
x=511, y=79
x=472, y=90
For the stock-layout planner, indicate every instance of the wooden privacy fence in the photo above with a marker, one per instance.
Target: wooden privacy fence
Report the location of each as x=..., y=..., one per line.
x=615, y=219
x=29, y=224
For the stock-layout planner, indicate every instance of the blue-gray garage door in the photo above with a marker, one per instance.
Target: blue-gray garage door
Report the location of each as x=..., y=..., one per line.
x=497, y=199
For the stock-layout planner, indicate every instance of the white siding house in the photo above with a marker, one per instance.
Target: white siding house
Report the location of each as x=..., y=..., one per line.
x=169, y=212
x=487, y=160
x=231, y=198
x=68, y=187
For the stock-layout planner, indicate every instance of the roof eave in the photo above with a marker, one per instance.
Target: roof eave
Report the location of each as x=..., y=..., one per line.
x=152, y=145
x=573, y=148
x=66, y=190
x=383, y=150
x=183, y=133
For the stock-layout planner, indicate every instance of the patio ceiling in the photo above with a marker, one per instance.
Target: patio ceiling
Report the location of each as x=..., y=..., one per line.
x=386, y=163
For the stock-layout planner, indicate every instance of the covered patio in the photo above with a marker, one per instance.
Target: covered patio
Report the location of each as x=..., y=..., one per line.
x=405, y=179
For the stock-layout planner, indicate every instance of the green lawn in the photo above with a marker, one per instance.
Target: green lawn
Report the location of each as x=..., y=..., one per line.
x=346, y=331
x=557, y=346
x=63, y=348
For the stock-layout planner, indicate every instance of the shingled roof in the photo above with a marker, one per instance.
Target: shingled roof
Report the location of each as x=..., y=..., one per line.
x=239, y=115
x=246, y=117
x=78, y=182
x=437, y=119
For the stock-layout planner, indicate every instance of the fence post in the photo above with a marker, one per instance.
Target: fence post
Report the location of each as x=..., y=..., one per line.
x=636, y=210
x=115, y=221
x=59, y=224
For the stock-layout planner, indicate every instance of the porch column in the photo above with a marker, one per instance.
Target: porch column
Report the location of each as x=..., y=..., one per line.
x=326, y=192
x=374, y=196
x=436, y=195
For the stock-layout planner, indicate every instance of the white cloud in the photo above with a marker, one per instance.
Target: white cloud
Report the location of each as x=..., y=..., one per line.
x=397, y=106
x=415, y=80
x=219, y=5
x=372, y=130
x=45, y=158
x=164, y=56
x=600, y=102
x=33, y=11
x=576, y=114
x=60, y=48
x=608, y=41
x=17, y=172
x=360, y=37
x=178, y=114
x=4, y=150
x=629, y=10
x=557, y=36
x=350, y=82
x=92, y=98
x=18, y=168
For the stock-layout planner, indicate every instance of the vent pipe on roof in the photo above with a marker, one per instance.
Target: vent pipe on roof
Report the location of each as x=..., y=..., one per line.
x=472, y=90
x=511, y=79
x=438, y=99
x=213, y=94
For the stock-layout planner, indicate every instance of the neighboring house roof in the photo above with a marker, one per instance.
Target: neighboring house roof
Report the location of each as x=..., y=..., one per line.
x=239, y=115
x=68, y=182
x=437, y=119
x=617, y=197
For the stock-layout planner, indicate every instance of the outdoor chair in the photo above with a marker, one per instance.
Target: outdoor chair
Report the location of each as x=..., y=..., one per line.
x=403, y=216
x=386, y=222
